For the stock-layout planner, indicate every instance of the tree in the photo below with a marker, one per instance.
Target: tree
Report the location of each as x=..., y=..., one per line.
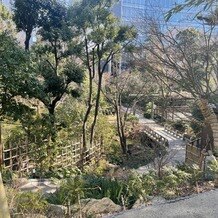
x=101, y=38
x=26, y=16
x=13, y=74
x=133, y=86
x=204, y=4
x=14, y=77
x=189, y=59
x=6, y=23
x=56, y=64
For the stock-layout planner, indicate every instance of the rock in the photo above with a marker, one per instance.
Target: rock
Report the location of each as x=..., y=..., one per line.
x=56, y=211
x=95, y=207
x=158, y=200
x=18, y=182
x=139, y=203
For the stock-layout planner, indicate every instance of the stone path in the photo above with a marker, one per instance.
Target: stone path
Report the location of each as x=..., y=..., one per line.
x=45, y=186
x=176, y=145
x=195, y=206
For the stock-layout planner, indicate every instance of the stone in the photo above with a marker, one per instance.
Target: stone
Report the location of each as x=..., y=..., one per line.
x=95, y=207
x=56, y=211
x=139, y=203
x=158, y=200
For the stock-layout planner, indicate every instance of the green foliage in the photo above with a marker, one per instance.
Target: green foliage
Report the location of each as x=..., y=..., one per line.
x=14, y=77
x=92, y=186
x=213, y=166
x=7, y=175
x=6, y=23
x=137, y=187
x=179, y=125
x=194, y=171
x=149, y=184
x=211, y=170
x=99, y=187
x=132, y=118
x=207, y=4
x=71, y=189
x=26, y=14
x=98, y=168
x=29, y=202
x=113, y=152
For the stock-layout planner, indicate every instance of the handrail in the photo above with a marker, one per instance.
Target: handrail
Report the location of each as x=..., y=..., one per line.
x=155, y=136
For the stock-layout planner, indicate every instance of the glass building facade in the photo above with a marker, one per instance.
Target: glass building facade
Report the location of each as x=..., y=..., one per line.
x=133, y=11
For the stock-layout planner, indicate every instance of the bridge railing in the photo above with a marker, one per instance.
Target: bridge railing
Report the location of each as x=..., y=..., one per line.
x=174, y=132
x=155, y=136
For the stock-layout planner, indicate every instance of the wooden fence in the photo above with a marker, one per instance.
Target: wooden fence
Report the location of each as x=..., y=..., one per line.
x=194, y=154
x=19, y=157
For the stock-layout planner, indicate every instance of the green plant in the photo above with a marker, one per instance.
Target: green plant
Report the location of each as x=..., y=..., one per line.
x=179, y=125
x=97, y=168
x=136, y=189
x=196, y=174
x=147, y=115
x=7, y=176
x=211, y=170
x=61, y=173
x=31, y=202
x=113, y=153
x=71, y=189
x=172, y=181
x=99, y=187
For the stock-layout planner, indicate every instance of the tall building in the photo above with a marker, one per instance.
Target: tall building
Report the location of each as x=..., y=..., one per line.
x=133, y=11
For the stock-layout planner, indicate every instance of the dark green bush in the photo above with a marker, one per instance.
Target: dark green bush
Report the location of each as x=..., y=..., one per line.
x=147, y=115
x=100, y=187
x=179, y=125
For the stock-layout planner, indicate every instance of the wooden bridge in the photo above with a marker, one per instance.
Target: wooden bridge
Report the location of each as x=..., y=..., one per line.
x=155, y=136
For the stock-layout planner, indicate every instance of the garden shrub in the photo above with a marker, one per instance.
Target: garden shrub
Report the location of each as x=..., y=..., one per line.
x=138, y=188
x=179, y=125
x=97, y=168
x=61, y=173
x=147, y=115
x=70, y=190
x=100, y=187
x=196, y=174
x=31, y=203
x=211, y=170
x=7, y=175
x=172, y=181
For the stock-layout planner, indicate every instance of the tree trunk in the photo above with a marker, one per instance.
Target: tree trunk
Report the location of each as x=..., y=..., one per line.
x=4, y=210
x=97, y=103
x=27, y=41
x=212, y=120
x=120, y=130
